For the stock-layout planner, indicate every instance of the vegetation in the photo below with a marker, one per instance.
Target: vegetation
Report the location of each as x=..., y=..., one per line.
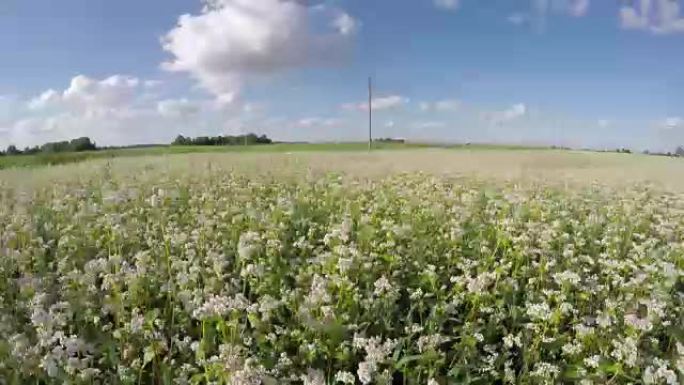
x=389, y=140
x=74, y=145
x=40, y=159
x=160, y=274
x=239, y=140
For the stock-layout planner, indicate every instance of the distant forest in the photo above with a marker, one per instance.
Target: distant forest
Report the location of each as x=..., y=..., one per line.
x=238, y=140
x=74, y=145
x=86, y=144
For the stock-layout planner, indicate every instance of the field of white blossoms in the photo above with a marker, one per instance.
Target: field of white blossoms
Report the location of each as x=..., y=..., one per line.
x=207, y=275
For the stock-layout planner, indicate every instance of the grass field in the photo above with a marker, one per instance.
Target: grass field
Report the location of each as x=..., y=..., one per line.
x=72, y=157
x=306, y=265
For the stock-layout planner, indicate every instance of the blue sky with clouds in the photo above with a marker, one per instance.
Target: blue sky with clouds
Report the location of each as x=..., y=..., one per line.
x=572, y=72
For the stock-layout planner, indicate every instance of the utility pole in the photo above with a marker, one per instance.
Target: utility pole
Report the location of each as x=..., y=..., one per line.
x=370, y=114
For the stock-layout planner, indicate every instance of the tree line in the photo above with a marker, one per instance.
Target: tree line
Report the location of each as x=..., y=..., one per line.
x=86, y=144
x=230, y=140
x=74, y=145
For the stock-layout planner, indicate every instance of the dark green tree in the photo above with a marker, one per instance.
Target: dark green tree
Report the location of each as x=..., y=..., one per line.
x=13, y=150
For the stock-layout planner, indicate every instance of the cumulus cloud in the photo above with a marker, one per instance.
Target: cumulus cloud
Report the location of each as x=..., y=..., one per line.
x=178, y=108
x=45, y=100
x=112, y=111
x=379, y=103
x=655, y=16
x=94, y=96
x=450, y=5
x=89, y=96
x=231, y=40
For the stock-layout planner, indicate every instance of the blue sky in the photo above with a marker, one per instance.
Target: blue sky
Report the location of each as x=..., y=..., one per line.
x=572, y=72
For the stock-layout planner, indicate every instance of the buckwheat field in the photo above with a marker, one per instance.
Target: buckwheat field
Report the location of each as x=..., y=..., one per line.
x=313, y=269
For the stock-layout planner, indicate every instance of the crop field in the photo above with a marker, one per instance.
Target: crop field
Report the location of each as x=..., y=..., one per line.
x=414, y=266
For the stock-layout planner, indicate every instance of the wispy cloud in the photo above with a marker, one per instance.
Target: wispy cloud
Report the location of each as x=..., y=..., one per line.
x=512, y=113
x=450, y=5
x=655, y=16
x=379, y=103
x=441, y=105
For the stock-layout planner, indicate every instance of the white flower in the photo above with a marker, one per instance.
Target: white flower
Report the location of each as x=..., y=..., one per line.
x=545, y=371
x=430, y=342
x=593, y=361
x=319, y=291
x=625, y=351
x=382, y=286
x=219, y=306
x=567, y=277
x=477, y=284
x=653, y=375
x=345, y=378
x=538, y=311
x=571, y=349
x=344, y=264
x=248, y=245
x=366, y=371
x=313, y=377
x=643, y=324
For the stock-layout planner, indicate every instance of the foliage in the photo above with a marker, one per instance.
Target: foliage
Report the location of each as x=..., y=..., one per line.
x=74, y=145
x=249, y=139
x=679, y=151
x=213, y=277
x=66, y=157
x=389, y=140
x=12, y=150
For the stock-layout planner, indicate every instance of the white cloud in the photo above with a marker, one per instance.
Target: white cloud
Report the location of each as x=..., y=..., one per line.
x=317, y=122
x=603, y=123
x=152, y=83
x=232, y=40
x=115, y=110
x=540, y=10
x=673, y=123
x=379, y=103
x=577, y=8
x=178, y=108
x=445, y=105
x=512, y=113
x=655, y=16
x=516, y=111
x=345, y=24
x=429, y=125
x=451, y=5
x=45, y=100
x=390, y=124
x=388, y=102
x=89, y=96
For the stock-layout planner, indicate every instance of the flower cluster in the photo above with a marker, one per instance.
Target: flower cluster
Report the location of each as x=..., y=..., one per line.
x=175, y=276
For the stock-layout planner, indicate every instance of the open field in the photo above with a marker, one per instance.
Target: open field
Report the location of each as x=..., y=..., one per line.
x=555, y=167
x=73, y=157
x=414, y=266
